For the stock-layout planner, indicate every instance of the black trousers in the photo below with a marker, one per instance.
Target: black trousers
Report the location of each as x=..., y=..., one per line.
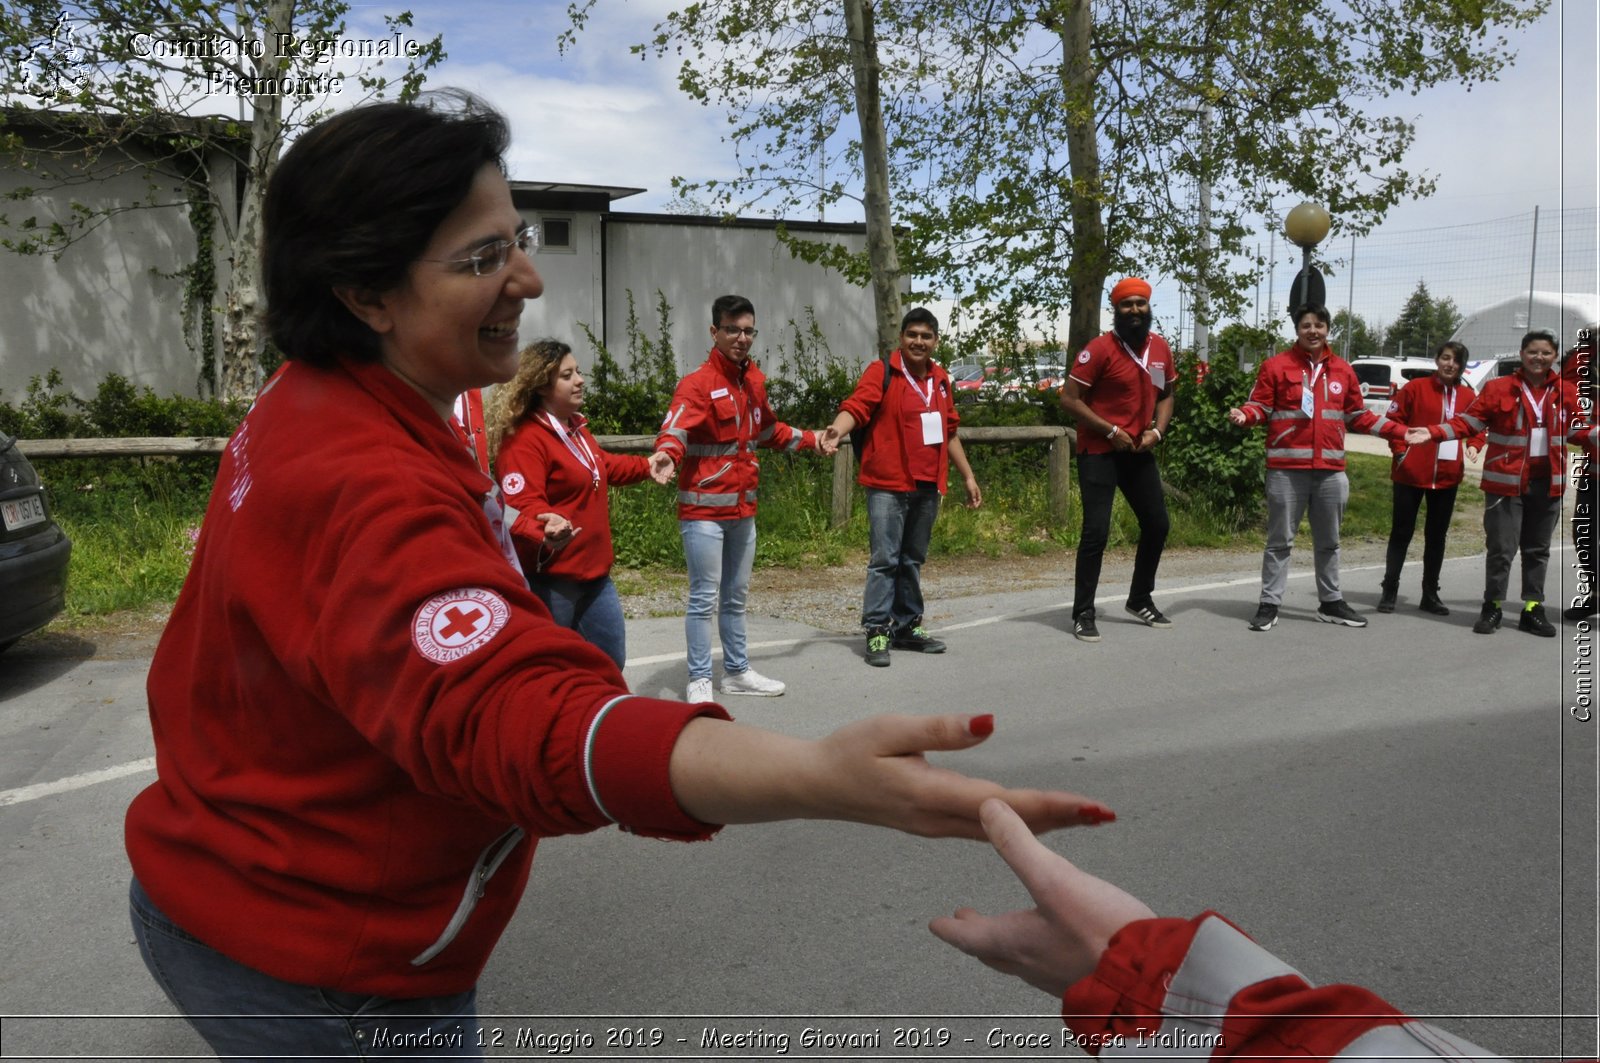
x=1407, y=501
x=1100, y=477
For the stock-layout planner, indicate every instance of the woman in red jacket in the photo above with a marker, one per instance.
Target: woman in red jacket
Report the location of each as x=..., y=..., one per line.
x=554, y=474
x=1430, y=471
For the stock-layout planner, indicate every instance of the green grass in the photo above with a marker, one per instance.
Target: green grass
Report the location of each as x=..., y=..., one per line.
x=129, y=520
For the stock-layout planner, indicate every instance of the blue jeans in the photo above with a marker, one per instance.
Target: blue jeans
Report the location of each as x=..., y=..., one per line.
x=244, y=1014
x=589, y=607
x=718, y=554
x=900, y=524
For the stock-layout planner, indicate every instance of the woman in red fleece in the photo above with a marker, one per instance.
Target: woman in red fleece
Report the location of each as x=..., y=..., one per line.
x=554, y=474
x=363, y=718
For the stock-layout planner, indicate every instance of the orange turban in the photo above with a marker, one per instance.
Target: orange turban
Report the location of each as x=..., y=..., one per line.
x=1129, y=286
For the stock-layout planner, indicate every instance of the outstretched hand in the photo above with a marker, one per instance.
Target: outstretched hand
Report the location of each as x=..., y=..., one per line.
x=661, y=467
x=558, y=530
x=828, y=440
x=1057, y=943
x=1236, y=416
x=1415, y=436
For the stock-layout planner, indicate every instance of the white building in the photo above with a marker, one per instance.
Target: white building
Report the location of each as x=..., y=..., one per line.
x=1497, y=329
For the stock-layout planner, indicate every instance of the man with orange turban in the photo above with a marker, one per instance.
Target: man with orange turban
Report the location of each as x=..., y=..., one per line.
x=1119, y=389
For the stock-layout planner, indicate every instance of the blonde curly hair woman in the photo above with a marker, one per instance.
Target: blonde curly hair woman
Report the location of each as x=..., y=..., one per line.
x=555, y=475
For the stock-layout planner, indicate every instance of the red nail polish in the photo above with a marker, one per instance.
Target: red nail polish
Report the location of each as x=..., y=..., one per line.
x=1098, y=814
x=982, y=726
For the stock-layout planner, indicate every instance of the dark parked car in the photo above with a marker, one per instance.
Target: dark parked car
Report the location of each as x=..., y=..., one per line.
x=33, y=550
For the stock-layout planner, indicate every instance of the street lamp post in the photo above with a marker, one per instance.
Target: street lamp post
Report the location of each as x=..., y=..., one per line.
x=1306, y=225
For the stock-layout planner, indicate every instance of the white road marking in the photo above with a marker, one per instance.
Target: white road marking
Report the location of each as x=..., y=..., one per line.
x=75, y=782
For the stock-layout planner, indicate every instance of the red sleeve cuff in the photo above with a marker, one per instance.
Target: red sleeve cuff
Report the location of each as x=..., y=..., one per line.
x=627, y=749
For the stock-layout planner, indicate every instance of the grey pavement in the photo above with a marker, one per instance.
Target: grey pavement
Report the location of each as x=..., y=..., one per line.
x=1410, y=807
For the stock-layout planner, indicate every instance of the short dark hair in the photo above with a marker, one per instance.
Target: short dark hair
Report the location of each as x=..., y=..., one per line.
x=1539, y=334
x=1321, y=313
x=1457, y=346
x=731, y=306
x=355, y=201
x=919, y=315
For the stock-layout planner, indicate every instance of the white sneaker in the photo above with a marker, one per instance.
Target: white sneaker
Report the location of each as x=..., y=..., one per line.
x=751, y=682
x=699, y=690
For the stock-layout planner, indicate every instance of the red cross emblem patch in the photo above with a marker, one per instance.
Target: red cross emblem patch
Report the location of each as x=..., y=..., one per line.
x=451, y=625
x=513, y=483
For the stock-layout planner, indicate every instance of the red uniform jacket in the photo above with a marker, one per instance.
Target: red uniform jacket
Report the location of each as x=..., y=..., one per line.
x=1421, y=403
x=1200, y=989
x=541, y=474
x=1502, y=413
x=1295, y=439
x=719, y=415
x=359, y=707
x=894, y=414
x=1578, y=370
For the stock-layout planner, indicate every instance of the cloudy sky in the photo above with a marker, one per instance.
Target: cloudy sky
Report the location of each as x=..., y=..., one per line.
x=599, y=115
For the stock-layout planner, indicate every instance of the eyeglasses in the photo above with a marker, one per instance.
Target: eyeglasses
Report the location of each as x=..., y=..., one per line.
x=747, y=333
x=491, y=257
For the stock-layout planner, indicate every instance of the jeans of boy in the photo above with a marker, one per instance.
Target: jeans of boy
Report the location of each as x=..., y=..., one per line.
x=1290, y=492
x=244, y=1014
x=900, y=524
x=1099, y=478
x=591, y=607
x=1403, y=524
x=718, y=555
x=1519, y=524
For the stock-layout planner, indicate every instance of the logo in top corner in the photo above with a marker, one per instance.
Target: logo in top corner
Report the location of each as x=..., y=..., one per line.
x=1335, y=387
x=1083, y=357
x=451, y=625
x=513, y=483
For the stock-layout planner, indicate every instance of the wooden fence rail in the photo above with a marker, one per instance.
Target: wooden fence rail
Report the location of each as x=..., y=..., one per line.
x=1059, y=440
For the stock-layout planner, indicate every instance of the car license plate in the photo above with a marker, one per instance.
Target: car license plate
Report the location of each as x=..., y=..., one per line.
x=21, y=512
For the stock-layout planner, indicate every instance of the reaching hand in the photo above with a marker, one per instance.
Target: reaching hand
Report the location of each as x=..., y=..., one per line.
x=558, y=530
x=661, y=467
x=1417, y=435
x=1236, y=416
x=1057, y=943
x=828, y=440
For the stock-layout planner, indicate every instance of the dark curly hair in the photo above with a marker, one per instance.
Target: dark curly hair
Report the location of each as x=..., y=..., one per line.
x=355, y=201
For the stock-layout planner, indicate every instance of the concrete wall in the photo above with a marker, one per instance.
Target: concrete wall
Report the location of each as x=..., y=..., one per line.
x=105, y=306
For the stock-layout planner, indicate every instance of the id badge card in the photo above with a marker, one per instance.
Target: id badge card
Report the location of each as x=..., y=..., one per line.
x=1158, y=377
x=1539, y=443
x=933, y=428
x=1308, y=400
x=1450, y=450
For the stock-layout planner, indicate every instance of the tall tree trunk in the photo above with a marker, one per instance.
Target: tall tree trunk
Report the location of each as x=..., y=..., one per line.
x=1091, y=260
x=881, y=253
x=242, y=340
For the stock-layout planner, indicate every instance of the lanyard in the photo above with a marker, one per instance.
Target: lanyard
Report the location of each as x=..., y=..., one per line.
x=1141, y=360
x=580, y=449
x=1536, y=408
x=926, y=394
x=1316, y=371
x=1449, y=403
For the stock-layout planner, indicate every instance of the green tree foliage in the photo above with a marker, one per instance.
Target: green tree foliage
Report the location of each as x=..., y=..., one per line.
x=135, y=84
x=1033, y=148
x=1353, y=338
x=1423, y=324
x=1214, y=463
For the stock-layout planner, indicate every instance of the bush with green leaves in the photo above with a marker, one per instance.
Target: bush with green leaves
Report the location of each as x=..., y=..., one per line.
x=1205, y=456
x=117, y=409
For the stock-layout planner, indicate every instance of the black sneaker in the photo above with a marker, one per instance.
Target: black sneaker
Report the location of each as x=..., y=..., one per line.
x=1386, y=600
x=1534, y=622
x=916, y=639
x=1265, y=617
x=1582, y=609
x=878, y=648
x=1083, y=628
x=1148, y=613
x=1338, y=611
x=1431, y=604
x=1488, y=619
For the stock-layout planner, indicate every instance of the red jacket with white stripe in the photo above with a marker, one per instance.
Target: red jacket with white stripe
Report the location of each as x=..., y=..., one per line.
x=885, y=461
x=362, y=716
x=1502, y=413
x=540, y=474
x=1201, y=989
x=719, y=415
x=1578, y=370
x=1422, y=402
x=1296, y=440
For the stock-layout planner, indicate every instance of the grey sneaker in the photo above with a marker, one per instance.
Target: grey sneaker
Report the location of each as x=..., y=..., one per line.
x=916, y=639
x=878, y=648
x=1266, y=616
x=753, y=683
x=1083, y=628
x=1338, y=611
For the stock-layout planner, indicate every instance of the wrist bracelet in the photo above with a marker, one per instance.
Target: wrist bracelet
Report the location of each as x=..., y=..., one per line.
x=1113, y=433
x=1159, y=437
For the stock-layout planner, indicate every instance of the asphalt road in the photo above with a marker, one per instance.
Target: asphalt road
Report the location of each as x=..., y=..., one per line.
x=1410, y=807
